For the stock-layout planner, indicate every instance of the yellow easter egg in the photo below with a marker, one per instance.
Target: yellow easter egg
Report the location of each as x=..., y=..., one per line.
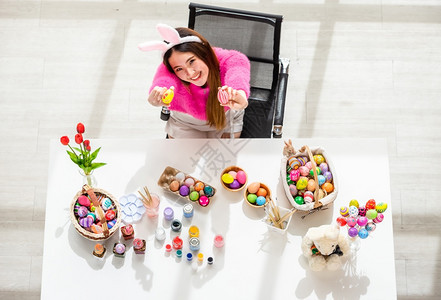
x=227, y=178
x=381, y=207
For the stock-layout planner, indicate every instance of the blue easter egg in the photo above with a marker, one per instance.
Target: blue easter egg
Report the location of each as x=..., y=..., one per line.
x=260, y=200
x=363, y=233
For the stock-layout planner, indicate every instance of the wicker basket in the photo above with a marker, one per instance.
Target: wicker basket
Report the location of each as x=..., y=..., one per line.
x=321, y=198
x=98, y=193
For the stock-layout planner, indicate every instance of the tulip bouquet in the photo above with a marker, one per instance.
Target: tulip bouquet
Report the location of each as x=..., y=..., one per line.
x=82, y=155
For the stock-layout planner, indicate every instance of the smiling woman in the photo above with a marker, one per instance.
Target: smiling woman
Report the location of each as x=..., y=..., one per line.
x=197, y=72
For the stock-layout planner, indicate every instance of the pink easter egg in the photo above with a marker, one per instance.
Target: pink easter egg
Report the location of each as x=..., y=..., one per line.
x=233, y=174
x=304, y=171
x=222, y=96
x=293, y=190
x=308, y=196
x=309, y=165
x=379, y=218
x=294, y=175
x=351, y=221
x=83, y=200
x=241, y=176
x=362, y=221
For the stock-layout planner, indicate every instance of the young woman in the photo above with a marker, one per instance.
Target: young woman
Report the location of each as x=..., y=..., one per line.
x=197, y=71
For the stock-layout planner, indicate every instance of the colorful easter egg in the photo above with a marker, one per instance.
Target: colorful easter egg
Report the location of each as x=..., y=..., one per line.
x=304, y=171
x=352, y=232
x=235, y=185
x=308, y=197
x=311, y=185
x=324, y=167
x=262, y=192
x=252, y=198
x=379, y=218
x=227, y=178
x=318, y=158
x=222, y=96
x=351, y=221
x=302, y=160
x=302, y=183
x=353, y=211
x=180, y=176
x=308, y=165
x=253, y=187
x=233, y=173
x=204, y=200
x=371, y=214
x=321, y=179
x=370, y=227
x=344, y=211
x=82, y=211
x=241, y=177
x=199, y=186
x=288, y=179
x=299, y=200
x=110, y=215
x=189, y=181
x=106, y=204
x=293, y=189
x=317, y=170
x=341, y=221
x=328, y=187
x=381, y=207
x=363, y=233
x=83, y=200
x=86, y=222
x=293, y=162
x=294, y=175
x=76, y=207
x=194, y=196
x=174, y=186
x=328, y=176
x=168, y=95
x=208, y=191
x=361, y=211
x=370, y=204
x=260, y=200
x=354, y=202
x=111, y=223
x=184, y=190
x=362, y=221
x=92, y=215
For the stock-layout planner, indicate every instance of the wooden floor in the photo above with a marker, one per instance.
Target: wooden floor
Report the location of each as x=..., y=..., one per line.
x=359, y=68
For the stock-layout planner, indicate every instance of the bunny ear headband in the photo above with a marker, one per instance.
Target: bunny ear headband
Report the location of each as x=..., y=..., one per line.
x=171, y=38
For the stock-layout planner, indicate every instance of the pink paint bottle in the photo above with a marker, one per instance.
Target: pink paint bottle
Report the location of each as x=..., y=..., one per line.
x=219, y=241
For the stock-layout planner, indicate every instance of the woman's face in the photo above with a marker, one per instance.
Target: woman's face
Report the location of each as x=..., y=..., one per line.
x=188, y=67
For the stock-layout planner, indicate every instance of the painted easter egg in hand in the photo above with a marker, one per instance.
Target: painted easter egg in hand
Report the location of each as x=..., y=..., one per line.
x=222, y=96
x=168, y=95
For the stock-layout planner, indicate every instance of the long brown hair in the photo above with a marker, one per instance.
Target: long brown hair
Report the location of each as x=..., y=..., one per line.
x=215, y=112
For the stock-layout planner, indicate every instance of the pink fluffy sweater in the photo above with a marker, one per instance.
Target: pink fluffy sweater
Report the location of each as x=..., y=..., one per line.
x=234, y=72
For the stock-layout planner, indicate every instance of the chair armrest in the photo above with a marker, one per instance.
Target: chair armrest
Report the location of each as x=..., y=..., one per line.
x=279, y=109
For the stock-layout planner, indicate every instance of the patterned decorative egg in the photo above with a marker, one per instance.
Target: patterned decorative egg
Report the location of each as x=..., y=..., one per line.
x=299, y=200
x=353, y=211
x=328, y=187
x=341, y=221
x=293, y=162
x=294, y=175
x=204, y=201
x=82, y=211
x=208, y=191
x=318, y=158
x=317, y=170
x=354, y=202
x=106, y=204
x=370, y=204
x=324, y=167
x=328, y=176
x=308, y=196
x=381, y=207
x=302, y=183
x=362, y=221
x=370, y=226
x=241, y=176
x=293, y=190
x=302, y=160
x=311, y=185
x=304, y=171
x=361, y=211
x=308, y=165
x=194, y=196
x=344, y=211
x=371, y=214
x=288, y=179
x=321, y=179
x=352, y=232
x=379, y=218
x=351, y=221
x=363, y=233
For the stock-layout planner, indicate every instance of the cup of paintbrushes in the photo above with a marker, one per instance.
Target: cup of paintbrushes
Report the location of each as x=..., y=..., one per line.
x=151, y=202
x=278, y=219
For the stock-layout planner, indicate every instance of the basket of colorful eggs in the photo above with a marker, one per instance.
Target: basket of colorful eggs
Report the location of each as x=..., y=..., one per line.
x=95, y=213
x=233, y=178
x=257, y=194
x=308, y=177
x=186, y=186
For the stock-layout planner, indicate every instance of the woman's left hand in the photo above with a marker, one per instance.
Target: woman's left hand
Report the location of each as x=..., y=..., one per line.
x=237, y=99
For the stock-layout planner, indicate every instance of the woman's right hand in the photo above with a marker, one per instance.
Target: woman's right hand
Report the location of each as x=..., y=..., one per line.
x=155, y=97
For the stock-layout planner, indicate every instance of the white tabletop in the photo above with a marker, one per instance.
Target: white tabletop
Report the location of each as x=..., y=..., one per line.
x=254, y=263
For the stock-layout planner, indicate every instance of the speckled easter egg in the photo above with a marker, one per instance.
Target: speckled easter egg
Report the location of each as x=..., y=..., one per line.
x=363, y=233
x=304, y=171
x=344, y=211
x=293, y=162
x=362, y=221
x=260, y=200
x=328, y=176
x=354, y=202
x=302, y=183
x=293, y=190
x=318, y=158
x=288, y=179
x=311, y=185
x=324, y=167
x=241, y=176
x=227, y=178
x=353, y=211
x=299, y=200
x=174, y=185
x=294, y=175
x=351, y=221
x=352, y=232
x=371, y=214
x=328, y=187
x=370, y=226
x=253, y=187
x=370, y=204
x=252, y=198
x=341, y=221
x=381, y=207
x=361, y=211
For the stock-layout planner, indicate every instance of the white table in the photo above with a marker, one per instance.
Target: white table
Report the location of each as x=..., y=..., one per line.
x=254, y=263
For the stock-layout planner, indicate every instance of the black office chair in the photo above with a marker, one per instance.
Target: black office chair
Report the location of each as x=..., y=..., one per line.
x=256, y=35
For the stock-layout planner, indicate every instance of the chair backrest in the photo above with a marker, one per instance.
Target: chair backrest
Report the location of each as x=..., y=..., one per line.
x=256, y=35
